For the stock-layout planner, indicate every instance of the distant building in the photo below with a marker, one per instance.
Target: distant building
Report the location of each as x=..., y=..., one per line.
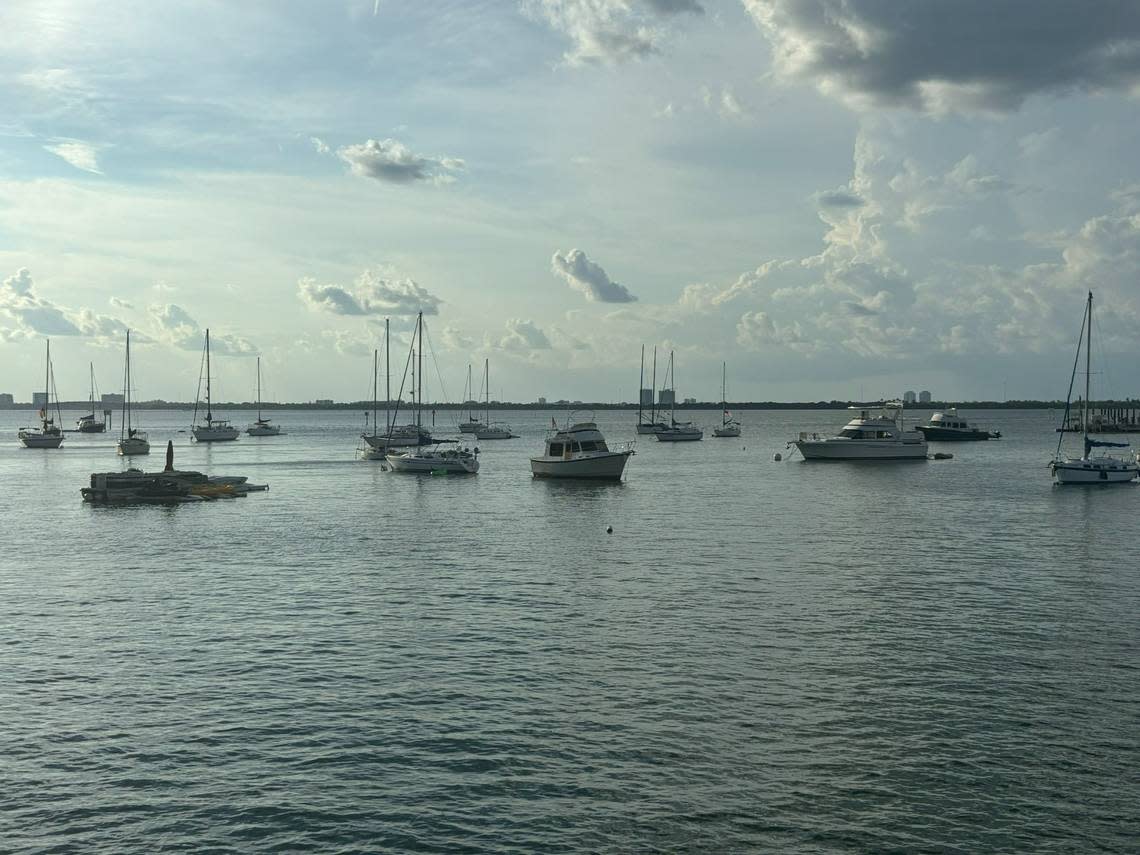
x=924, y=397
x=647, y=397
x=324, y=402
x=690, y=400
x=666, y=398
x=6, y=400
x=909, y=397
x=112, y=399
x=542, y=402
x=39, y=399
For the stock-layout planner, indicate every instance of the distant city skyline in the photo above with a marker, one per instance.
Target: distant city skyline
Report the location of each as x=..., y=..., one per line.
x=790, y=186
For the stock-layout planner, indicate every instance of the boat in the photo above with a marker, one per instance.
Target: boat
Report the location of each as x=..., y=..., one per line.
x=676, y=431
x=728, y=425
x=869, y=436
x=949, y=426
x=579, y=451
x=89, y=423
x=652, y=424
x=49, y=434
x=437, y=460
x=170, y=486
x=1087, y=469
x=492, y=430
x=471, y=424
x=262, y=427
x=131, y=440
x=211, y=430
x=410, y=435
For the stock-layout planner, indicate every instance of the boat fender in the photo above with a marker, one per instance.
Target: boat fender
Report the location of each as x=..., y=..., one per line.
x=609, y=529
x=777, y=457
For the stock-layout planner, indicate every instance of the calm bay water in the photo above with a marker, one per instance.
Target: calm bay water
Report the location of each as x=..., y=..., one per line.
x=762, y=656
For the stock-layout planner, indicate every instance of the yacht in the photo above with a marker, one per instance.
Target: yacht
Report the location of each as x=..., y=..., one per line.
x=131, y=440
x=262, y=427
x=580, y=451
x=89, y=422
x=869, y=436
x=1086, y=469
x=435, y=460
x=49, y=434
x=676, y=431
x=949, y=426
x=211, y=430
x=492, y=430
x=650, y=425
x=728, y=425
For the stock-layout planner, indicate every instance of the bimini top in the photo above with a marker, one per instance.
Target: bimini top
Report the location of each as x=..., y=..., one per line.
x=578, y=432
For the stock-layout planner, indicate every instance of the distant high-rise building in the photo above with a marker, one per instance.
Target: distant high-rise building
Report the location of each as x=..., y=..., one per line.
x=6, y=399
x=690, y=400
x=924, y=397
x=647, y=397
x=39, y=399
x=909, y=397
x=542, y=401
x=324, y=402
x=111, y=399
x=666, y=398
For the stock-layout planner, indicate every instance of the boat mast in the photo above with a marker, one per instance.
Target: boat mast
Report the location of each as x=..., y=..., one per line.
x=47, y=385
x=470, y=415
x=723, y=393
x=125, y=422
x=91, y=369
x=640, y=385
x=653, y=397
x=375, y=383
x=1088, y=366
x=420, y=373
x=209, y=405
x=487, y=384
x=259, y=388
x=387, y=378
x=673, y=389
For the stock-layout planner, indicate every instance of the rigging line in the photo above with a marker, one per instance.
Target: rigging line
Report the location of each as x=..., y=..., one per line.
x=1072, y=379
x=435, y=362
x=400, y=395
x=198, y=392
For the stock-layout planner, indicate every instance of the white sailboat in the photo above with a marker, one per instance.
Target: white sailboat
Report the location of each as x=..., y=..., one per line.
x=728, y=425
x=131, y=440
x=652, y=424
x=89, y=423
x=492, y=430
x=471, y=424
x=411, y=435
x=1087, y=469
x=49, y=434
x=211, y=430
x=262, y=427
x=677, y=431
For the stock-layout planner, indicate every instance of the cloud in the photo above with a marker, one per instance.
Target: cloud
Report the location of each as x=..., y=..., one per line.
x=178, y=328
x=609, y=31
x=757, y=330
x=840, y=198
x=522, y=336
x=371, y=295
x=589, y=278
x=455, y=339
x=120, y=303
x=19, y=301
x=320, y=145
x=81, y=155
x=392, y=162
x=969, y=55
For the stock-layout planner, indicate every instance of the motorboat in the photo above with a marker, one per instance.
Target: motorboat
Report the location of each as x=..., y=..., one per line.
x=1087, y=469
x=89, y=422
x=728, y=425
x=949, y=426
x=132, y=441
x=211, y=429
x=49, y=434
x=676, y=431
x=439, y=459
x=872, y=435
x=580, y=451
x=262, y=427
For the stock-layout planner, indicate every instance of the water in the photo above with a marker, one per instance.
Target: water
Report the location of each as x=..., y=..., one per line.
x=762, y=656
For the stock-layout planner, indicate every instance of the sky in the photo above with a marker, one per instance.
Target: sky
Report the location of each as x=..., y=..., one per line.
x=840, y=199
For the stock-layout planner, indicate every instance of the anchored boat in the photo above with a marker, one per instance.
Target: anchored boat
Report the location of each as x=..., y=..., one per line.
x=869, y=436
x=580, y=451
x=949, y=426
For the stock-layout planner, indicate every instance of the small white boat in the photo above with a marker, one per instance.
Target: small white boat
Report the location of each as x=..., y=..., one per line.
x=49, y=434
x=261, y=427
x=1086, y=469
x=90, y=423
x=869, y=436
x=435, y=460
x=580, y=451
x=132, y=442
x=211, y=430
x=470, y=424
x=496, y=430
x=677, y=431
x=728, y=425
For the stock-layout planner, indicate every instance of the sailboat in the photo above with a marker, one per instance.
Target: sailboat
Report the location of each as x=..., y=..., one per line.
x=90, y=423
x=131, y=440
x=261, y=427
x=677, y=431
x=397, y=436
x=496, y=430
x=211, y=430
x=652, y=425
x=49, y=434
x=1102, y=469
x=728, y=425
x=472, y=424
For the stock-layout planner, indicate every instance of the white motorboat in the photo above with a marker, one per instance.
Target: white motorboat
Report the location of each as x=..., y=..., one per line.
x=676, y=431
x=132, y=441
x=495, y=430
x=949, y=426
x=651, y=424
x=1087, y=469
x=580, y=451
x=262, y=427
x=435, y=460
x=728, y=425
x=49, y=434
x=211, y=430
x=868, y=436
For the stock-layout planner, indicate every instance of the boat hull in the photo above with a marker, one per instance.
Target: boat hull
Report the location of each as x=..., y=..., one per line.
x=430, y=464
x=1097, y=470
x=726, y=431
x=92, y=427
x=680, y=435
x=833, y=449
x=649, y=428
x=396, y=440
x=40, y=440
x=469, y=427
x=215, y=434
x=268, y=430
x=607, y=466
x=494, y=434
x=132, y=446
x=939, y=434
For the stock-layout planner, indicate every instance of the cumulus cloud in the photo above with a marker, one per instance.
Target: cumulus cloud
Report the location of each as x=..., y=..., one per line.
x=609, y=31
x=394, y=163
x=456, y=339
x=176, y=327
x=969, y=55
x=521, y=336
x=81, y=155
x=589, y=278
x=371, y=295
x=34, y=314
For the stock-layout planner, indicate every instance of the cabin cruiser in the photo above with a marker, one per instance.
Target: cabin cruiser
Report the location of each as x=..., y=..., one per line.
x=869, y=436
x=580, y=451
x=948, y=426
x=435, y=460
x=680, y=432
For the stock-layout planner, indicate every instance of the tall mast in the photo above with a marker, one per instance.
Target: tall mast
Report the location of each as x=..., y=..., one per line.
x=470, y=415
x=91, y=369
x=653, y=397
x=487, y=383
x=126, y=395
x=723, y=392
x=259, y=388
x=209, y=405
x=375, y=383
x=1088, y=364
x=673, y=389
x=387, y=376
x=420, y=372
x=640, y=385
x=47, y=385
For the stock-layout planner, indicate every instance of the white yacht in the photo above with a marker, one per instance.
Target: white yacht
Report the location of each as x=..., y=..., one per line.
x=1086, y=469
x=211, y=430
x=439, y=459
x=580, y=451
x=49, y=434
x=869, y=436
x=131, y=440
x=262, y=427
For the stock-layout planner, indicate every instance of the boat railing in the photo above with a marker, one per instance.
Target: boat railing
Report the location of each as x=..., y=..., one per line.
x=805, y=436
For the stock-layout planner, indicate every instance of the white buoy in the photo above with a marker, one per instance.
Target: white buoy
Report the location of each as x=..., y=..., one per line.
x=777, y=457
